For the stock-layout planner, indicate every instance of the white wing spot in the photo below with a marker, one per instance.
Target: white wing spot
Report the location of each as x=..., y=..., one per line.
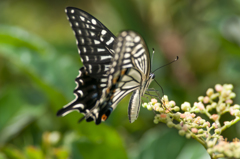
x=136, y=39
x=92, y=33
x=127, y=66
x=90, y=68
x=94, y=21
x=76, y=23
x=127, y=61
x=100, y=49
x=118, y=50
x=82, y=40
x=72, y=11
x=87, y=26
x=79, y=51
x=116, y=56
x=124, y=33
x=96, y=42
x=79, y=31
x=78, y=106
x=87, y=111
x=103, y=32
x=82, y=18
x=101, y=39
x=67, y=112
x=104, y=80
x=73, y=17
x=119, y=44
x=106, y=67
x=95, y=111
x=79, y=73
x=105, y=57
x=128, y=38
x=81, y=81
x=84, y=49
x=80, y=92
x=92, y=27
x=128, y=49
x=103, y=85
x=114, y=63
x=110, y=41
x=112, y=70
x=127, y=55
x=87, y=58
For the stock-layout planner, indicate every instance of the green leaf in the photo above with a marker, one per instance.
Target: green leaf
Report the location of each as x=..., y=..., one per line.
x=16, y=114
x=159, y=143
x=95, y=142
x=193, y=150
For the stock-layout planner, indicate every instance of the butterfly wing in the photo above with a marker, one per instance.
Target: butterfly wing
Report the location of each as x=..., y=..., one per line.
x=94, y=41
x=127, y=72
x=141, y=62
x=86, y=92
x=95, y=46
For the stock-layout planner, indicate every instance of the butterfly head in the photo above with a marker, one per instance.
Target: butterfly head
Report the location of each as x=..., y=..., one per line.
x=152, y=75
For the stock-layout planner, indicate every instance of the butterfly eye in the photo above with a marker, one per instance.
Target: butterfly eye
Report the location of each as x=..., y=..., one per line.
x=153, y=76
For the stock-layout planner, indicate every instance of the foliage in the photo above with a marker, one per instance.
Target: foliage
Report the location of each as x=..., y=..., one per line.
x=214, y=105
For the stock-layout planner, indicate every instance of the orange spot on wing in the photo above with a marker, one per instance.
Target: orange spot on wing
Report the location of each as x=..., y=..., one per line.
x=108, y=90
x=114, y=80
x=104, y=117
x=123, y=72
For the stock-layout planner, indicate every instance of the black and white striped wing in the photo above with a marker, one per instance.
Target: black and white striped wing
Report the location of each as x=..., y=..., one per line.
x=129, y=69
x=94, y=41
x=95, y=46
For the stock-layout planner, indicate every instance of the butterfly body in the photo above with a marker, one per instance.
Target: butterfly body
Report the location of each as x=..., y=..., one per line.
x=113, y=67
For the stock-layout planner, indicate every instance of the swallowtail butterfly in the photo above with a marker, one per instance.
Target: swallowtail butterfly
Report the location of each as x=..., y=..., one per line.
x=113, y=67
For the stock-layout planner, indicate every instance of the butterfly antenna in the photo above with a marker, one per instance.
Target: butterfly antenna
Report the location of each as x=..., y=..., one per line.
x=152, y=57
x=81, y=119
x=167, y=64
x=159, y=86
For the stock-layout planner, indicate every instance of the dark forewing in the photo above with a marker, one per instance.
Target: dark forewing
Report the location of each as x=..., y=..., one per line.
x=95, y=46
x=94, y=41
x=87, y=93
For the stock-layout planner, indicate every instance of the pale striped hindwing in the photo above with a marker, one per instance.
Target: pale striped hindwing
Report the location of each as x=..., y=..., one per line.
x=95, y=47
x=129, y=71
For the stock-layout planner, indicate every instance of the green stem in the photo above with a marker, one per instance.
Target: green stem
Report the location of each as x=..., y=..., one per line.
x=200, y=140
x=232, y=123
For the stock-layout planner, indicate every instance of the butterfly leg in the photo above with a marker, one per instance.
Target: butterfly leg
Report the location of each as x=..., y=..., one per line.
x=158, y=96
x=81, y=119
x=155, y=91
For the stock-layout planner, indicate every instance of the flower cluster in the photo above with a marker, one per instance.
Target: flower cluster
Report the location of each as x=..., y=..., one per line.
x=206, y=131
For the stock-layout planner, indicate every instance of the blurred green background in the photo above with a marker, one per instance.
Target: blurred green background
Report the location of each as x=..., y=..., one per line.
x=39, y=62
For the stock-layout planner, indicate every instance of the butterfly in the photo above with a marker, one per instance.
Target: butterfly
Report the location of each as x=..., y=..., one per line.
x=112, y=68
